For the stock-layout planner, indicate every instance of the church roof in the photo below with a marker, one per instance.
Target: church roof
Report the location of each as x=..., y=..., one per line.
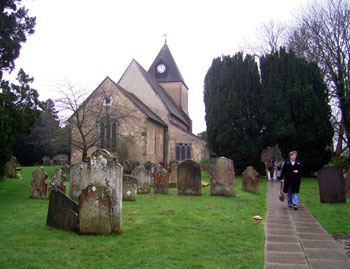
x=169, y=103
x=148, y=112
x=173, y=73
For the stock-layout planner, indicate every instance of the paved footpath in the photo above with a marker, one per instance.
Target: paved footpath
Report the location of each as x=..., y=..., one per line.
x=295, y=239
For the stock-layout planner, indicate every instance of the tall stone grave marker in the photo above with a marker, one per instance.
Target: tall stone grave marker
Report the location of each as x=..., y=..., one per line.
x=173, y=174
x=11, y=168
x=250, y=180
x=189, y=178
x=100, y=204
x=129, y=188
x=331, y=185
x=58, y=179
x=222, y=177
x=38, y=186
x=143, y=177
x=78, y=179
x=161, y=180
x=63, y=212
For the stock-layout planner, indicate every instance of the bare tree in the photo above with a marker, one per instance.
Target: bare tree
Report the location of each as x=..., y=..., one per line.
x=94, y=119
x=322, y=34
x=269, y=37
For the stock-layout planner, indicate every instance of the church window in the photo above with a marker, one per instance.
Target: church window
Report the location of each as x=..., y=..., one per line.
x=108, y=135
x=107, y=101
x=183, y=151
x=155, y=144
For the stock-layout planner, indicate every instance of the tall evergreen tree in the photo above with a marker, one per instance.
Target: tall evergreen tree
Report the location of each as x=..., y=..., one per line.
x=294, y=108
x=231, y=96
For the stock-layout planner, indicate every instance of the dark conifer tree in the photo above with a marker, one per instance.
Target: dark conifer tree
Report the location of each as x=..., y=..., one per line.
x=294, y=108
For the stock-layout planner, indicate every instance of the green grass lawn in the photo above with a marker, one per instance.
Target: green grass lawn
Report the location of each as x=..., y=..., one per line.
x=334, y=218
x=163, y=231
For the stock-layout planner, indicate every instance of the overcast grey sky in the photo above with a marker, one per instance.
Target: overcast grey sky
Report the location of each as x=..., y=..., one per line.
x=83, y=41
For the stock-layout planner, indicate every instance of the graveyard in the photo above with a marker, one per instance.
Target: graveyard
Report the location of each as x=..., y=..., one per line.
x=158, y=230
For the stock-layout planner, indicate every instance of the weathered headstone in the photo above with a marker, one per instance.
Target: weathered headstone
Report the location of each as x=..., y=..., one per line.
x=173, y=174
x=38, y=186
x=331, y=185
x=65, y=170
x=189, y=178
x=46, y=161
x=100, y=204
x=11, y=168
x=63, y=212
x=222, y=177
x=78, y=179
x=127, y=168
x=250, y=180
x=60, y=159
x=58, y=179
x=161, y=180
x=129, y=188
x=143, y=177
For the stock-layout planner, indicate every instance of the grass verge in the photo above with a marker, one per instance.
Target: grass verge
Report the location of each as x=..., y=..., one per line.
x=162, y=231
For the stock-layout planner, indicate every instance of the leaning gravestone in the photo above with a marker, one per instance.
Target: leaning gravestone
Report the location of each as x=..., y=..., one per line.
x=189, y=178
x=250, y=180
x=173, y=174
x=100, y=204
x=38, y=186
x=11, y=168
x=222, y=177
x=78, y=179
x=161, y=180
x=63, y=212
x=143, y=177
x=129, y=188
x=331, y=185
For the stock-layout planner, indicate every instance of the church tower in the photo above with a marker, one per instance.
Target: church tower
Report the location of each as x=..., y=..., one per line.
x=165, y=71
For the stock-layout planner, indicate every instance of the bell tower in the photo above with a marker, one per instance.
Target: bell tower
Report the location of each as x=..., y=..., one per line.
x=165, y=71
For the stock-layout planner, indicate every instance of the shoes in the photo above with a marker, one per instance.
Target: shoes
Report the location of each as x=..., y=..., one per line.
x=295, y=207
x=290, y=205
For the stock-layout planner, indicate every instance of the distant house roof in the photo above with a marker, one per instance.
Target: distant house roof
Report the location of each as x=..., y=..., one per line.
x=173, y=73
x=169, y=103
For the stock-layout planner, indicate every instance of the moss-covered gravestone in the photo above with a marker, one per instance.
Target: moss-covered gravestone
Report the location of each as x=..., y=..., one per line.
x=129, y=188
x=250, y=180
x=38, y=186
x=143, y=177
x=222, y=177
x=161, y=180
x=78, y=179
x=100, y=204
x=189, y=178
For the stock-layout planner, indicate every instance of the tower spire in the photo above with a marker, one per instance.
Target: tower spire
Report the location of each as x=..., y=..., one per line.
x=165, y=35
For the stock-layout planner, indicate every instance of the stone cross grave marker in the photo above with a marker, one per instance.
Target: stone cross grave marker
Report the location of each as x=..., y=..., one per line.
x=222, y=177
x=189, y=178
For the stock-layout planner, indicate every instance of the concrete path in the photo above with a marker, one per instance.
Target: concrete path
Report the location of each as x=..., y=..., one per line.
x=295, y=239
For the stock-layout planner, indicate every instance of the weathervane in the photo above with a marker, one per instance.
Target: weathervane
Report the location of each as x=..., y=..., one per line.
x=165, y=37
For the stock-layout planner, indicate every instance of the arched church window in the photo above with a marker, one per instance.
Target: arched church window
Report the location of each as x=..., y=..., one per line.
x=108, y=135
x=183, y=151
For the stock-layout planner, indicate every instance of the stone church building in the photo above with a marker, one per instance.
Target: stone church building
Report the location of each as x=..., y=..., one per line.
x=147, y=115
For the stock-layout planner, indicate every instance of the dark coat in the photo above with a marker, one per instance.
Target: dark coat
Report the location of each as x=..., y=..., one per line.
x=290, y=178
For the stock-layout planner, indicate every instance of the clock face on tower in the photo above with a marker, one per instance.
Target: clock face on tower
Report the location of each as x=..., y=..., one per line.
x=161, y=68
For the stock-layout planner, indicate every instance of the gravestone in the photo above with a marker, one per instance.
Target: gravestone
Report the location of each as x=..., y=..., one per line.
x=222, y=177
x=143, y=177
x=161, y=180
x=60, y=159
x=58, y=179
x=347, y=181
x=100, y=204
x=250, y=180
x=46, y=161
x=127, y=168
x=331, y=185
x=38, y=186
x=173, y=174
x=189, y=178
x=11, y=168
x=129, y=188
x=78, y=179
x=65, y=170
x=63, y=212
